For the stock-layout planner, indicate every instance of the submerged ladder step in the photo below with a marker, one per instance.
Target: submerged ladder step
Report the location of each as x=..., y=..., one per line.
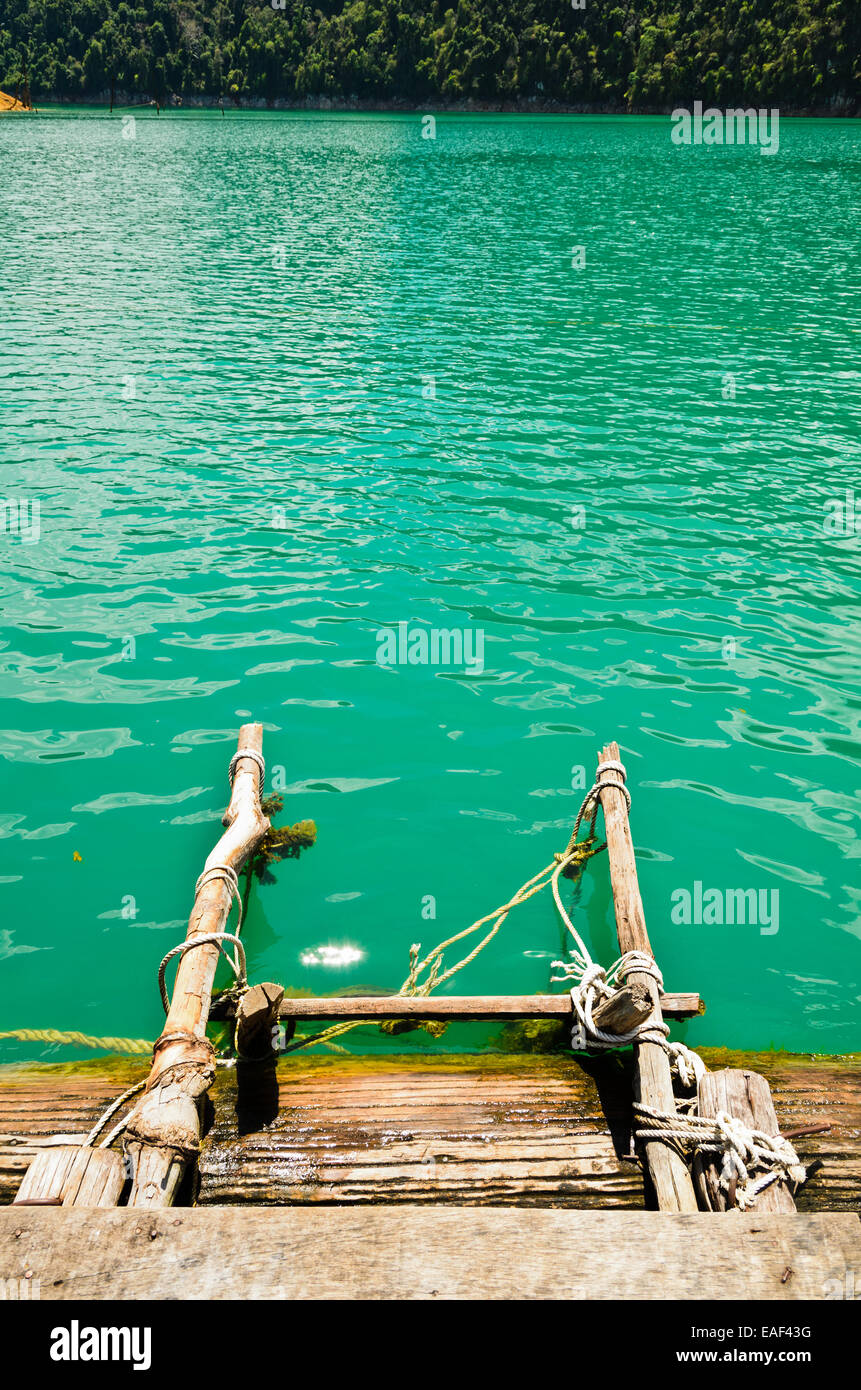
x=475, y=1008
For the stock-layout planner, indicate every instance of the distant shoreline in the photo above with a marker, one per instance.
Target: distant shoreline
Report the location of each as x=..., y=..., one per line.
x=133, y=100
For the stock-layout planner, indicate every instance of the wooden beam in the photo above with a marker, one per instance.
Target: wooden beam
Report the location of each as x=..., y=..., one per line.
x=652, y=1079
x=163, y=1133
x=425, y=1253
x=454, y=1008
x=747, y=1097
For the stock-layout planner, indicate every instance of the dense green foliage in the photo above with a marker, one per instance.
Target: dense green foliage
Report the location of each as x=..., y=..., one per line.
x=631, y=54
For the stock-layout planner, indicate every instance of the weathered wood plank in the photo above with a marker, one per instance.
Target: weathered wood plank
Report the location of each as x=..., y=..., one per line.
x=487, y=1008
x=624, y=1010
x=421, y=1253
x=467, y=1133
x=652, y=1080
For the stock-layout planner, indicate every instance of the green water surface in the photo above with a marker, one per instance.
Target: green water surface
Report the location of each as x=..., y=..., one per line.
x=280, y=380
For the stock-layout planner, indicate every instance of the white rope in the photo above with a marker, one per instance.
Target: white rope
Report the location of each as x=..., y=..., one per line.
x=112, y=1110
x=744, y=1150
x=255, y=757
x=595, y=985
x=591, y=800
x=237, y=965
x=687, y=1064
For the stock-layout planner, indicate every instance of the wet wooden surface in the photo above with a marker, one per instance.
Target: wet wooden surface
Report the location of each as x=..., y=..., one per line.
x=477, y=1130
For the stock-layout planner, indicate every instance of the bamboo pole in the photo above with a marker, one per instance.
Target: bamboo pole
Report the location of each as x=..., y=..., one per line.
x=163, y=1133
x=652, y=1079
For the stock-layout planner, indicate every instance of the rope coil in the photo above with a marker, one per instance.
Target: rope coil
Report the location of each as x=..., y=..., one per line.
x=255, y=757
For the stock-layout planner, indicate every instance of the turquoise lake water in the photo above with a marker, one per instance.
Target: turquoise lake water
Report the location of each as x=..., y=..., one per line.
x=279, y=381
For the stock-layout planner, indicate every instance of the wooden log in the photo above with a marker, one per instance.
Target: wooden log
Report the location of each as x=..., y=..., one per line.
x=163, y=1133
x=747, y=1097
x=256, y=1017
x=652, y=1079
x=452, y=1008
x=421, y=1253
x=69, y=1175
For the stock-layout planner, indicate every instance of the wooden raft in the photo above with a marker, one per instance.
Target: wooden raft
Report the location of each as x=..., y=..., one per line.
x=162, y=1142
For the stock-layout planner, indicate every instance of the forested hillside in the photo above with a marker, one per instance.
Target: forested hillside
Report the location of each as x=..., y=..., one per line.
x=631, y=55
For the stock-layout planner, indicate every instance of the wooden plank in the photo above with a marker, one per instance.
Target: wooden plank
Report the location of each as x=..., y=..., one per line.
x=747, y=1097
x=470, y=1130
x=423, y=1253
x=489, y=1008
x=652, y=1080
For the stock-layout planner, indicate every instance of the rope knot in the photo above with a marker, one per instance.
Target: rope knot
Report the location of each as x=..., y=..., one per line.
x=591, y=976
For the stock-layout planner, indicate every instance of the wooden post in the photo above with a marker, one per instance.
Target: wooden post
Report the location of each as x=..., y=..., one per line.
x=70, y=1175
x=257, y=1047
x=163, y=1133
x=256, y=1016
x=747, y=1097
x=652, y=1079
x=630, y=1006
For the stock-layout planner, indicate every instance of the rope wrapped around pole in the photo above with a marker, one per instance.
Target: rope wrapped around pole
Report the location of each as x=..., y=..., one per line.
x=744, y=1150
